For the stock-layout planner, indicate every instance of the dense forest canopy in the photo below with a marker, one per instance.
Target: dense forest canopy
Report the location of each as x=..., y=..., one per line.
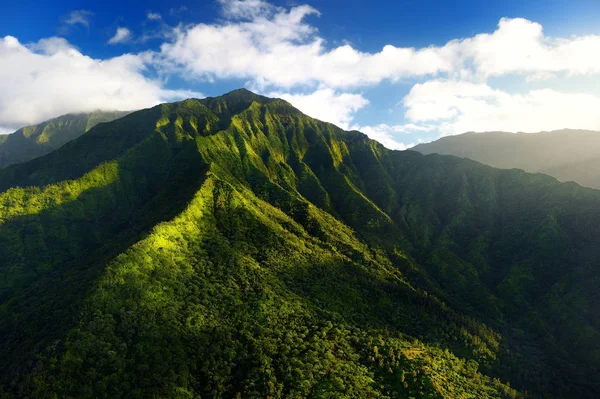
x=34, y=141
x=234, y=247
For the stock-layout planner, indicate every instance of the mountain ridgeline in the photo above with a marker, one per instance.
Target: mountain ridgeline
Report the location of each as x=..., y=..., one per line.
x=34, y=141
x=234, y=247
x=568, y=155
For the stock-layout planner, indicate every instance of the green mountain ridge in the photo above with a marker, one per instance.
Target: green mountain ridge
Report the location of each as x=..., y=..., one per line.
x=234, y=247
x=568, y=154
x=37, y=140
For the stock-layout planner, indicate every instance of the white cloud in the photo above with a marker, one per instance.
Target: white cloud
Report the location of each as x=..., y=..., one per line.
x=50, y=45
x=385, y=135
x=438, y=100
x=326, y=105
x=539, y=76
x=245, y=9
x=153, y=16
x=279, y=51
x=276, y=46
x=458, y=107
x=51, y=77
x=519, y=46
x=411, y=128
x=78, y=17
x=339, y=108
x=122, y=35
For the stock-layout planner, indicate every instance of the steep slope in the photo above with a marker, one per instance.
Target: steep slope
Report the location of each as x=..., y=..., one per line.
x=34, y=141
x=568, y=155
x=234, y=246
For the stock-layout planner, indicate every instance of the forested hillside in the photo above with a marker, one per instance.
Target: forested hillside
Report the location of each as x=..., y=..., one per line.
x=568, y=155
x=34, y=141
x=234, y=247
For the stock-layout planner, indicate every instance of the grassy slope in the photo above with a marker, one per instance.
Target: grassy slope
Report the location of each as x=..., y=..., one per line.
x=299, y=268
x=35, y=141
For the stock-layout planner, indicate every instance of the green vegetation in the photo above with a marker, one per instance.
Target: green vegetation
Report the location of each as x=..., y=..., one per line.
x=568, y=155
x=234, y=247
x=34, y=141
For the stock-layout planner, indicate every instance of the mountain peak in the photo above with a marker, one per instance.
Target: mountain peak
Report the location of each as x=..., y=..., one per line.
x=236, y=101
x=242, y=95
x=236, y=232
x=241, y=90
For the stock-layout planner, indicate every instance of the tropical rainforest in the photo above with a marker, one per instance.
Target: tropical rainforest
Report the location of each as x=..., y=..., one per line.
x=568, y=154
x=34, y=141
x=233, y=247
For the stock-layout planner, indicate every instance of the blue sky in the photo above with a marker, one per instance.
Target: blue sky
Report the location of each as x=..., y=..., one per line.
x=402, y=71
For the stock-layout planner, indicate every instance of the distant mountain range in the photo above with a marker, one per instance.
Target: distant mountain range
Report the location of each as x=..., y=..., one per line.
x=34, y=141
x=568, y=155
x=233, y=247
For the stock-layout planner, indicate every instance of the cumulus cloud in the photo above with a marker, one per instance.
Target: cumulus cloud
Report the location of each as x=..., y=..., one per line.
x=326, y=105
x=51, y=77
x=279, y=51
x=519, y=46
x=274, y=46
x=277, y=46
x=122, y=35
x=49, y=45
x=458, y=107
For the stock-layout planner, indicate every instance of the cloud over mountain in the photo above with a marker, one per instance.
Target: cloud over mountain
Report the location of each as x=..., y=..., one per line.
x=280, y=50
x=275, y=47
x=461, y=106
x=51, y=77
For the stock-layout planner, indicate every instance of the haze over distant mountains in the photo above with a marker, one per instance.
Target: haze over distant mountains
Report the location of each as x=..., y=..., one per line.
x=235, y=247
x=34, y=141
x=568, y=155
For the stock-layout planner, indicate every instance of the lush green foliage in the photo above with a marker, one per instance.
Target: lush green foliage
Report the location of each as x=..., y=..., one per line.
x=233, y=247
x=568, y=155
x=34, y=141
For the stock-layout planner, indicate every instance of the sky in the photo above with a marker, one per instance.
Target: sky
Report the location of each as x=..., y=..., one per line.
x=404, y=72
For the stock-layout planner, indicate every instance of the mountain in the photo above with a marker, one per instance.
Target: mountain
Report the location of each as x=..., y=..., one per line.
x=568, y=155
x=234, y=247
x=34, y=141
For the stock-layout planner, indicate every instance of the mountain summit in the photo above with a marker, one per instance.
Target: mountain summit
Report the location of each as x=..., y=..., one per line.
x=568, y=155
x=234, y=247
